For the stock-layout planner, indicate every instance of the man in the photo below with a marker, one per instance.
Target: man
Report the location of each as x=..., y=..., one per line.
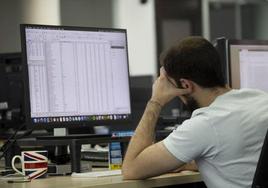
x=225, y=133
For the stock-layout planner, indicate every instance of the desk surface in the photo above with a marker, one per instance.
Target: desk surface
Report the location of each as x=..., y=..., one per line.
x=107, y=182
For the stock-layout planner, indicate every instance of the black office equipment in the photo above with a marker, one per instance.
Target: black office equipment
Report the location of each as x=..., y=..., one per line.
x=75, y=76
x=245, y=62
x=141, y=91
x=72, y=136
x=221, y=45
x=260, y=179
x=11, y=91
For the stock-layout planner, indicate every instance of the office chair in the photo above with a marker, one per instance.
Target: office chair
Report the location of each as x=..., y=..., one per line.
x=260, y=179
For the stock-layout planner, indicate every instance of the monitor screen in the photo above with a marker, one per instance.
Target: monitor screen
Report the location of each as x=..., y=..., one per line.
x=75, y=75
x=248, y=64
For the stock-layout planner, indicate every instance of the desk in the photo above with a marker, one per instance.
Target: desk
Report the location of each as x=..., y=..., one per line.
x=107, y=182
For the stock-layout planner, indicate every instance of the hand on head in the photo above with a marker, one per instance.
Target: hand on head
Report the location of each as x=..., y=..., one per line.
x=165, y=89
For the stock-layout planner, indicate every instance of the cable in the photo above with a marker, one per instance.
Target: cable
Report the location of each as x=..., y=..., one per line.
x=9, y=143
x=7, y=146
x=12, y=136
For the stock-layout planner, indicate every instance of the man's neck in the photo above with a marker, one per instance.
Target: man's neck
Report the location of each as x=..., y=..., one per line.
x=205, y=97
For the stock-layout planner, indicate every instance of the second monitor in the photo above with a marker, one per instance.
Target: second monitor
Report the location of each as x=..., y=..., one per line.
x=248, y=64
x=244, y=62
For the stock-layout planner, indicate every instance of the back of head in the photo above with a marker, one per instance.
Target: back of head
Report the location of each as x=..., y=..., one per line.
x=196, y=59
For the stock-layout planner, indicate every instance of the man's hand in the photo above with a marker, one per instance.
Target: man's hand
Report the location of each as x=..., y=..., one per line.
x=164, y=89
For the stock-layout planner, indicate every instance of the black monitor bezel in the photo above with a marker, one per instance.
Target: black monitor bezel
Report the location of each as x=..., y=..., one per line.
x=69, y=124
x=230, y=42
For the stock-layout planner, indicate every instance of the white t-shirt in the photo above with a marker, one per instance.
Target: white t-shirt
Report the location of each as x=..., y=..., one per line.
x=225, y=138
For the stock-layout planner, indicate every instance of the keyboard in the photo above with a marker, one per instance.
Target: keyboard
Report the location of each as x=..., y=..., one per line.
x=97, y=174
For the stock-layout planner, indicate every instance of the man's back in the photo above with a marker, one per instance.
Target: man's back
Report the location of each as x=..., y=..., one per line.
x=226, y=138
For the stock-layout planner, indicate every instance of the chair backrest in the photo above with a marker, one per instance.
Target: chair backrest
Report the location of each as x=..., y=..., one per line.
x=260, y=179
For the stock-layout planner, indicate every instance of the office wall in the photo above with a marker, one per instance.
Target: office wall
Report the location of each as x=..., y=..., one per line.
x=222, y=22
x=91, y=13
x=41, y=12
x=15, y=12
x=261, y=26
x=139, y=21
x=10, y=14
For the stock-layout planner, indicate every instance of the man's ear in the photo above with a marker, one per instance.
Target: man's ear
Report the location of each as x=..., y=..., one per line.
x=187, y=84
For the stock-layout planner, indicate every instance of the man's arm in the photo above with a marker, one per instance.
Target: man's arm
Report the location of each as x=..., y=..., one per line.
x=188, y=166
x=143, y=158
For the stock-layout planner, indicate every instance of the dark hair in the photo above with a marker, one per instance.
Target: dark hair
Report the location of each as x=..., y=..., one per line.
x=196, y=59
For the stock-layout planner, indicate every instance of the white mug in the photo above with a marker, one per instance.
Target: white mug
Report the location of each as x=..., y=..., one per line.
x=33, y=164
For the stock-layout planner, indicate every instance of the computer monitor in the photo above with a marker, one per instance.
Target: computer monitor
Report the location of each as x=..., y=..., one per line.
x=75, y=76
x=244, y=62
x=248, y=64
x=141, y=91
x=11, y=90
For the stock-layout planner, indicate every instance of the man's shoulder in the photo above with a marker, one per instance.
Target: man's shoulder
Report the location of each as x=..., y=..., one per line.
x=251, y=90
x=200, y=120
x=247, y=96
x=247, y=92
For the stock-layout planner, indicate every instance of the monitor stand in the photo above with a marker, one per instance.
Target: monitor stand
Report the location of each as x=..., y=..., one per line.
x=62, y=134
x=61, y=155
